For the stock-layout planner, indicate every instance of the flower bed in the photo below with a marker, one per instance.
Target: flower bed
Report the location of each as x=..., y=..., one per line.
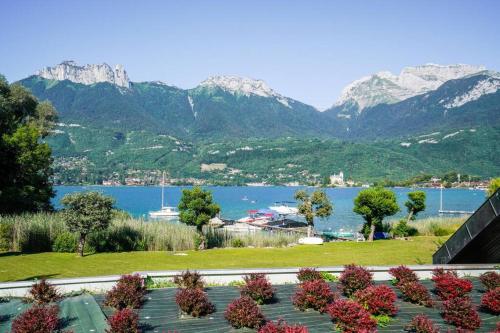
x=244, y=312
x=194, y=302
x=378, y=300
x=38, y=319
x=127, y=293
x=350, y=317
x=354, y=278
x=315, y=295
x=258, y=288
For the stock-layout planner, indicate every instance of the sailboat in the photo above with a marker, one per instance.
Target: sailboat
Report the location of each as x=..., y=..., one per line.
x=166, y=212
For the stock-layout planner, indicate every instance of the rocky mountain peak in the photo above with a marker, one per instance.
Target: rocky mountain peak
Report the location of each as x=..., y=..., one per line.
x=88, y=74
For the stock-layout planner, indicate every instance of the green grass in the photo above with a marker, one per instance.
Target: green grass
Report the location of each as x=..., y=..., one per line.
x=419, y=250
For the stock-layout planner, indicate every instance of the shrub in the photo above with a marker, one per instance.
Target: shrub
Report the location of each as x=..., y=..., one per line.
x=38, y=319
x=65, y=242
x=354, y=278
x=421, y=324
x=194, y=302
x=44, y=293
x=6, y=233
x=328, y=277
x=308, y=274
x=258, y=288
x=189, y=280
x=439, y=272
x=417, y=293
x=315, y=294
x=459, y=312
x=244, y=312
x=378, y=300
x=403, y=274
x=123, y=321
x=449, y=286
x=127, y=293
x=237, y=243
x=402, y=229
x=490, y=280
x=348, y=316
x=491, y=301
x=282, y=327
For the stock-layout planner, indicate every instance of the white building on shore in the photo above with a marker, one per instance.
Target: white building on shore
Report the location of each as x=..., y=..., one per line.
x=337, y=180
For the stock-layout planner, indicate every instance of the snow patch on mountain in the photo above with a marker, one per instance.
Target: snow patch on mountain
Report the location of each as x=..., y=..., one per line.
x=385, y=87
x=88, y=74
x=244, y=86
x=487, y=86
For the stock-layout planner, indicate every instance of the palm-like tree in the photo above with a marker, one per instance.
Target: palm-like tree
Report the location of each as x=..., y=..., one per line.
x=313, y=205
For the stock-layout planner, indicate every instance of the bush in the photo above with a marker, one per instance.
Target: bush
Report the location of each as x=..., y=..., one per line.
x=38, y=319
x=491, y=301
x=460, y=312
x=123, y=321
x=315, y=294
x=258, y=288
x=440, y=272
x=403, y=274
x=308, y=274
x=449, y=286
x=421, y=324
x=6, y=233
x=244, y=312
x=402, y=229
x=194, y=302
x=416, y=293
x=354, y=278
x=378, y=300
x=237, y=243
x=490, y=280
x=282, y=327
x=189, y=280
x=350, y=317
x=127, y=293
x=65, y=242
x=44, y=293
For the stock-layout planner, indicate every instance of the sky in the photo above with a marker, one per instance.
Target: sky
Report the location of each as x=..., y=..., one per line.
x=306, y=50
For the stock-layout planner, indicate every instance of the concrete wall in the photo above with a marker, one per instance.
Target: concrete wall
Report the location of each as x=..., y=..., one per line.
x=101, y=284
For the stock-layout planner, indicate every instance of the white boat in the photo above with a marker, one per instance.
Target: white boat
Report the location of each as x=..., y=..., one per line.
x=283, y=208
x=166, y=212
x=310, y=241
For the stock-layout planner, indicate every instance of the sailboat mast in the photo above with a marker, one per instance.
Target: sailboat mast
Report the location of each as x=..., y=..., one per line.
x=163, y=190
x=441, y=200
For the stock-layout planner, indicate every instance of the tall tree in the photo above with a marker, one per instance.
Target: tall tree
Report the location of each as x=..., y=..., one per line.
x=415, y=204
x=196, y=208
x=493, y=186
x=374, y=204
x=85, y=212
x=313, y=205
x=25, y=161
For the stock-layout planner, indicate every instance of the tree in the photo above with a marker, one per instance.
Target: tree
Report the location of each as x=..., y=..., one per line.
x=311, y=206
x=493, y=186
x=374, y=204
x=85, y=212
x=196, y=208
x=25, y=161
x=415, y=204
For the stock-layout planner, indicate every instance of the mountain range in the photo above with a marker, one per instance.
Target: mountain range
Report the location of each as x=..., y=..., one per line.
x=103, y=102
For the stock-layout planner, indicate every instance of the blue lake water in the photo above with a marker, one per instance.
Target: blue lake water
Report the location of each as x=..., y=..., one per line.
x=138, y=201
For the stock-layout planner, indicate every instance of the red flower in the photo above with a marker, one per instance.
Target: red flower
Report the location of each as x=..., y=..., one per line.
x=491, y=301
x=490, y=280
x=123, y=321
x=460, y=312
x=403, y=274
x=244, y=312
x=378, y=300
x=128, y=292
x=38, y=319
x=194, y=302
x=350, y=317
x=258, y=288
x=417, y=293
x=449, y=286
x=315, y=294
x=308, y=274
x=421, y=324
x=354, y=278
x=282, y=327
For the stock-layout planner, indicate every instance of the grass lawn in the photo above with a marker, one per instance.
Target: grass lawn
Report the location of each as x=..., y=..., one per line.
x=419, y=250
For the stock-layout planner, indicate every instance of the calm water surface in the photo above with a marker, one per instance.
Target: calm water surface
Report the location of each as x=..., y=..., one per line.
x=138, y=201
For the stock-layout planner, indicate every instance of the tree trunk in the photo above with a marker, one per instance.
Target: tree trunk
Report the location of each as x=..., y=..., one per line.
x=309, y=230
x=201, y=246
x=372, y=231
x=410, y=215
x=81, y=244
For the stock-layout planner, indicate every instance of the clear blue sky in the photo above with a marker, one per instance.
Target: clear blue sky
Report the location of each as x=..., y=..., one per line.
x=307, y=50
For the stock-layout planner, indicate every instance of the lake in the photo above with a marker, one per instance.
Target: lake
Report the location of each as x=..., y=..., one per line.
x=138, y=201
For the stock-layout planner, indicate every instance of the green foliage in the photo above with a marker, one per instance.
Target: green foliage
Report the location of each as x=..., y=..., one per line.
x=86, y=212
x=383, y=320
x=493, y=186
x=313, y=205
x=65, y=242
x=25, y=163
x=6, y=233
x=402, y=229
x=415, y=203
x=328, y=277
x=196, y=209
x=237, y=243
x=374, y=204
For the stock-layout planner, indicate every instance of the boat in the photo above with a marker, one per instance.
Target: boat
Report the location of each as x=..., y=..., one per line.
x=259, y=217
x=284, y=208
x=310, y=241
x=245, y=198
x=166, y=212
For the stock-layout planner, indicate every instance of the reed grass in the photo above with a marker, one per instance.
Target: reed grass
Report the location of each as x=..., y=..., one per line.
x=435, y=226
x=38, y=232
